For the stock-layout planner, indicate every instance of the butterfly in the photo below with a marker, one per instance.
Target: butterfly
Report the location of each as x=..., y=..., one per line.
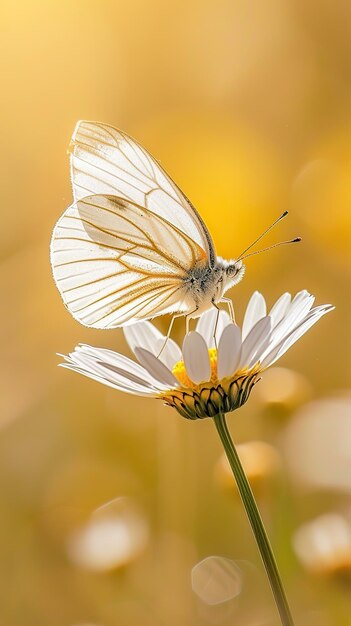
x=132, y=246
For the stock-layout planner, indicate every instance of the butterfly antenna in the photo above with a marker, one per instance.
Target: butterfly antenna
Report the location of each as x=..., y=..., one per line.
x=275, y=245
x=241, y=256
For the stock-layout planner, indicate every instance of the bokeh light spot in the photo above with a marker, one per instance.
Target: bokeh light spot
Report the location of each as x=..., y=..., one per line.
x=260, y=461
x=216, y=579
x=283, y=388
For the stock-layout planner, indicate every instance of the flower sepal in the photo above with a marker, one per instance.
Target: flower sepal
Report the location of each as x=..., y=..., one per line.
x=209, y=399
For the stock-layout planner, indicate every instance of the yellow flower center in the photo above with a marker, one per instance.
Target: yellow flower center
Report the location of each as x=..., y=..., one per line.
x=209, y=397
x=180, y=373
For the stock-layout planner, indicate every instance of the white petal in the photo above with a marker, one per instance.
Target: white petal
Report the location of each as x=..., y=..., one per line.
x=294, y=335
x=303, y=294
x=302, y=302
x=255, y=341
x=207, y=322
x=196, y=359
x=295, y=314
x=125, y=365
x=169, y=353
x=156, y=368
x=123, y=378
x=280, y=308
x=297, y=311
x=229, y=351
x=146, y=335
x=109, y=383
x=255, y=310
x=141, y=335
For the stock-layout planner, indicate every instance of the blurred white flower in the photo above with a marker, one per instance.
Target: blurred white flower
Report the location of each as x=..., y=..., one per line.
x=321, y=433
x=218, y=364
x=115, y=535
x=324, y=544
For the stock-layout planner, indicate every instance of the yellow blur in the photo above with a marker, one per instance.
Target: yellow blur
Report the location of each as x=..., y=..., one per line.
x=247, y=106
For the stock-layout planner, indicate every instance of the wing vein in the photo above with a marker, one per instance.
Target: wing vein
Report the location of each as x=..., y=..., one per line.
x=101, y=169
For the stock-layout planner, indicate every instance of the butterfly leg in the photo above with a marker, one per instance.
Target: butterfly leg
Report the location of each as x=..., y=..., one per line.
x=230, y=307
x=169, y=332
x=216, y=325
x=187, y=320
x=187, y=327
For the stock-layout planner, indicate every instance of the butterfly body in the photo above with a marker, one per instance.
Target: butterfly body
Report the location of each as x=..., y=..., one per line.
x=205, y=286
x=131, y=246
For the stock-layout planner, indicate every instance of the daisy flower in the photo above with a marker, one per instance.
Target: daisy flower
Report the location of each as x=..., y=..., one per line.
x=212, y=374
x=218, y=364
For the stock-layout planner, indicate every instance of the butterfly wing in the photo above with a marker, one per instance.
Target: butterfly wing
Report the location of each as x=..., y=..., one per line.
x=105, y=160
x=116, y=262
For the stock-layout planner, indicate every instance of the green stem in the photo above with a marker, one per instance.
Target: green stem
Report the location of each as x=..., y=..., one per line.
x=255, y=521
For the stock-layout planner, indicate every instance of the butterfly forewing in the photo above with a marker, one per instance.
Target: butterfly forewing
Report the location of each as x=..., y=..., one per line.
x=116, y=262
x=105, y=160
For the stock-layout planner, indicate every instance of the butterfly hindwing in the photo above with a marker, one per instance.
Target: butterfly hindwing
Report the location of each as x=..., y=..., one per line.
x=116, y=262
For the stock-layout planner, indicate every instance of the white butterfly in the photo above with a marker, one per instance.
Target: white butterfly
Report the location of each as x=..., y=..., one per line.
x=132, y=246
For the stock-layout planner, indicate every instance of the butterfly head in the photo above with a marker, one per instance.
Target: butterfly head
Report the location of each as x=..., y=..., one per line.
x=233, y=271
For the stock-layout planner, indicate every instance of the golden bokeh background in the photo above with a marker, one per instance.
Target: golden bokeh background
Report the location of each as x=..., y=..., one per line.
x=111, y=505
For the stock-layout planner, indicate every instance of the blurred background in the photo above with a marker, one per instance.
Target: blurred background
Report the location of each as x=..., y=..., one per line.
x=114, y=510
